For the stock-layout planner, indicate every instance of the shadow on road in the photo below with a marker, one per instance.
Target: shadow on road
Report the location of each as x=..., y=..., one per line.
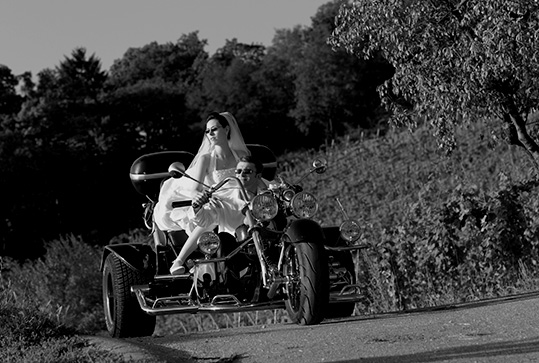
x=491, y=350
x=441, y=308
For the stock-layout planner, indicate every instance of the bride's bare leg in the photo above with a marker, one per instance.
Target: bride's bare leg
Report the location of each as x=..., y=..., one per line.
x=189, y=247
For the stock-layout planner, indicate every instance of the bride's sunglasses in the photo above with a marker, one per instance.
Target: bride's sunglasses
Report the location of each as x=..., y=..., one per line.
x=213, y=129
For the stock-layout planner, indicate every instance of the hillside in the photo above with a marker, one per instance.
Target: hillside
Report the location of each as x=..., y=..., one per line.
x=378, y=179
x=438, y=228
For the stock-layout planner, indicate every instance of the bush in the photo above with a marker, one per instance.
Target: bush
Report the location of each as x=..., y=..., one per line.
x=64, y=283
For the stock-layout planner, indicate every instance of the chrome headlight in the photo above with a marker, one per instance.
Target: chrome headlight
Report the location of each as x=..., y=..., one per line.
x=304, y=205
x=350, y=231
x=264, y=207
x=209, y=243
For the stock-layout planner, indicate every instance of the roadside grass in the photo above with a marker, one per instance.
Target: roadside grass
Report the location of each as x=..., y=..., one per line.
x=438, y=230
x=30, y=334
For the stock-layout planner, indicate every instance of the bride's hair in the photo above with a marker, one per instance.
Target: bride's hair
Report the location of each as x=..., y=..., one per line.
x=221, y=119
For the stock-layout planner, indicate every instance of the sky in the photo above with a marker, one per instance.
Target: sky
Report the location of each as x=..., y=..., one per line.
x=39, y=34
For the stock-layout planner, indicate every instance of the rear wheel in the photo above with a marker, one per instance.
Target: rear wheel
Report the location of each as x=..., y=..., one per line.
x=306, y=269
x=123, y=315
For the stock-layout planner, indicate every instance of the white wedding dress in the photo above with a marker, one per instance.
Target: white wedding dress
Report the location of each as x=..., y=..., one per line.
x=224, y=209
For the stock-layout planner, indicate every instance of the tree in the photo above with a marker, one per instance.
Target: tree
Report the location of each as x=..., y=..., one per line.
x=174, y=63
x=146, y=117
x=455, y=61
x=10, y=149
x=334, y=90
x=51, y=152
x=79, y=77
x=275, y=126
x=226, y=82
x=62, y=113
x=147, y=95
x=10, y=101
x=232, y=80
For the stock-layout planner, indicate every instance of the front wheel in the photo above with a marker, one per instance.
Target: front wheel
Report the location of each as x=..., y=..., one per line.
x=306, y=269
x=123, y=315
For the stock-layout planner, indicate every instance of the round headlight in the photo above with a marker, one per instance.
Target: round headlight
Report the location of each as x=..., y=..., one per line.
x=304, y=205
x=350, y=231
x=264, y=207
x=209, y=243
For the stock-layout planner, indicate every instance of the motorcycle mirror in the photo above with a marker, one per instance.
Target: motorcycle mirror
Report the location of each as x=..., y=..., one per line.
x=320, y=165
x=176, y=170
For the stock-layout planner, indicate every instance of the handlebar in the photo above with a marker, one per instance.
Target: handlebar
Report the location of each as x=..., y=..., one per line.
x=319, y=166
x=181, y=203
x=187, y=203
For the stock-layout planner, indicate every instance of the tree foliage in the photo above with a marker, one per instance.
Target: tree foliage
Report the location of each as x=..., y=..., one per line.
x=80, y=77
x=174, y=63
x=147, y=91
x=55, y=142
x=454, y=60
x=226, y=80
x=147, y=117
x=10, y=101
x=334, y=90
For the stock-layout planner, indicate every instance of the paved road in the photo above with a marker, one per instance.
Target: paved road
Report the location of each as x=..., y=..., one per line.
x=500, y=330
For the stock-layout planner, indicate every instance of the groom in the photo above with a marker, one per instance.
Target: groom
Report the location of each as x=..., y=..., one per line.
x=249, y=171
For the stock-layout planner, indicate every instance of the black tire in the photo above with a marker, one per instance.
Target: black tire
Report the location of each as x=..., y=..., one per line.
x=305, y=266
x=123, y=316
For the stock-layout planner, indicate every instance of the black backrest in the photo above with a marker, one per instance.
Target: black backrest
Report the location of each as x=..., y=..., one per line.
x=266, y=156
x=148, y=171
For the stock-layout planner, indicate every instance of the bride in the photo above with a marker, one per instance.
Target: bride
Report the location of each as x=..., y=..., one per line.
x=216, y=159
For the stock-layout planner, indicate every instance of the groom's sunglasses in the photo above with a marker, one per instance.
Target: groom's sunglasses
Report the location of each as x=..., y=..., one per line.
x=244, y=171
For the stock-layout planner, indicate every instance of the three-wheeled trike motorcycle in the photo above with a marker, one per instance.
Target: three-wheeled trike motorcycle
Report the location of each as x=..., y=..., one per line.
x=280, y=258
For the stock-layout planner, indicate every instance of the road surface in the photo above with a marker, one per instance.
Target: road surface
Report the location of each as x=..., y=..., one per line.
x=497, y=330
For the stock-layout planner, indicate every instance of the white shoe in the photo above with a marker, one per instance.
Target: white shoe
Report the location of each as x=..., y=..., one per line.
x=177, y=268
